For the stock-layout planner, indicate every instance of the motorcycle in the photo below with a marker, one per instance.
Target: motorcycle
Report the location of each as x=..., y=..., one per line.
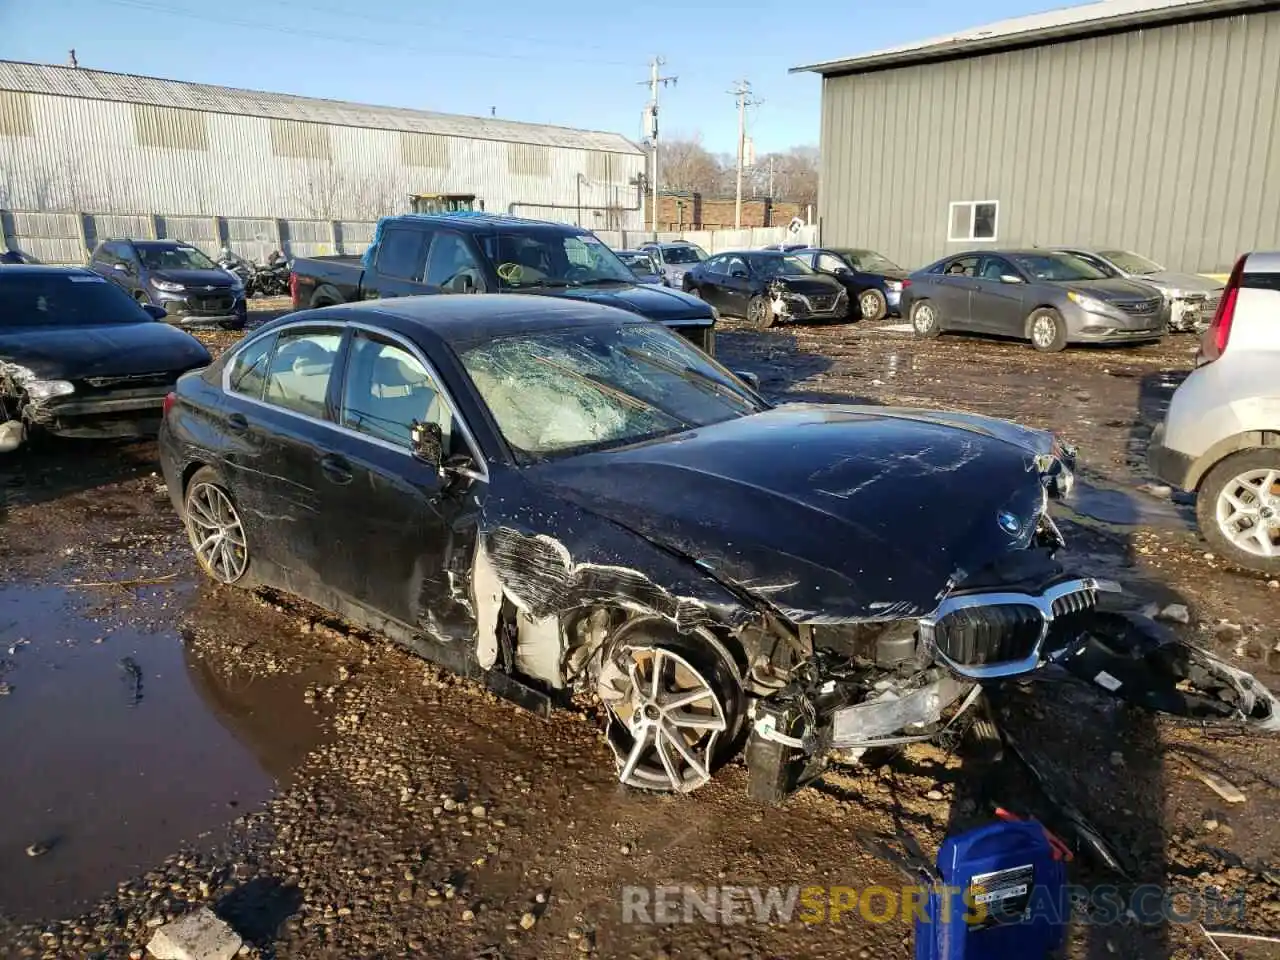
x=271, y=279
x=238, y=267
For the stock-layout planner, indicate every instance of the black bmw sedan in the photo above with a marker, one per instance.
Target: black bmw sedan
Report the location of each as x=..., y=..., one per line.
x=562, y=498
x=766, y=287
x=80, y=358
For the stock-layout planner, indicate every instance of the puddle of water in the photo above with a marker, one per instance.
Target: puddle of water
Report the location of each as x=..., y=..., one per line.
x=116, y=753
x=1119, y=507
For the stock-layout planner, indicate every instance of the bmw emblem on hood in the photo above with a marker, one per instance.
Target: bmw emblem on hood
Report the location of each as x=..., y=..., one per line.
x=1009, y=522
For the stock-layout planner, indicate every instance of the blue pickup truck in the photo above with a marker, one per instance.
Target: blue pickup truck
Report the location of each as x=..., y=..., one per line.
x=459, y=253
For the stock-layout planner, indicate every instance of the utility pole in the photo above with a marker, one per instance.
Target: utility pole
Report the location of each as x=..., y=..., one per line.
x=742, y=91
x=651, y=128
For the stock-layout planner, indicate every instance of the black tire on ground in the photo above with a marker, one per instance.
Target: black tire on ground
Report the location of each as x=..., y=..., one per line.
x=872, y=305
x=926, y=323
x=235, y=567
x=759, y=313
x=232, y=325
x=1046, y=330
x=1212, y=487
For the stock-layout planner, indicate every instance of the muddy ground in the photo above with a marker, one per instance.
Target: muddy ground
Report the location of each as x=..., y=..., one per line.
x=165, y=743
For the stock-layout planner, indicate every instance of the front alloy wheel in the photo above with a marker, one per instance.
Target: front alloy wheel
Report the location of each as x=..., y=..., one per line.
x=1248, y=512
x=668, y=717
x=872, y=305
x=216, y=533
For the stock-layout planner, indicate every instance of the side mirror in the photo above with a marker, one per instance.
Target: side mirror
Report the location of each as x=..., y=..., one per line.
x=428, y=443
x=749, y=378
x=120, y=267
x=1010, y=278
x=157, y=313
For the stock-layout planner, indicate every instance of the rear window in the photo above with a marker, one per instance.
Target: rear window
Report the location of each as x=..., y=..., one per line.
x=64, y=300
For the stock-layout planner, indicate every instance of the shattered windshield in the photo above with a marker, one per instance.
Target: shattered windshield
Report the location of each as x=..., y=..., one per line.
x=684, y=253
x=64, y=300
x=551, y=258
x=777, y=265
x=173, y=258
x=1131, y=262
x=564, y=391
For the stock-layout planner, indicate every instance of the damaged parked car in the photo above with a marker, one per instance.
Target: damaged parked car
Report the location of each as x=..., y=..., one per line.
x=767, y=287
x=79, y=357
x=564, y=499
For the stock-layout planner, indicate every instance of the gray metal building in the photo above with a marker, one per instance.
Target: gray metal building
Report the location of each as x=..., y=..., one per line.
x=85, y=140
x=1148, y=124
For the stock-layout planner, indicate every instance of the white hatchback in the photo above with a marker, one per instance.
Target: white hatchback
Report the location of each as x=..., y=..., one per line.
x=1221, y=435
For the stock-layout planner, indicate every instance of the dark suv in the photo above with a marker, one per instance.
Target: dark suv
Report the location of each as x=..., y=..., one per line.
x=192, y=289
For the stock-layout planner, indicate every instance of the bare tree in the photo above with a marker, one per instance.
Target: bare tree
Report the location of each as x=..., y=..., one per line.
x=794, y=175
x=686, y=166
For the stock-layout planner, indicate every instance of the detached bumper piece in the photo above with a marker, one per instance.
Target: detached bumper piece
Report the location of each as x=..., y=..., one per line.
x=788, y=305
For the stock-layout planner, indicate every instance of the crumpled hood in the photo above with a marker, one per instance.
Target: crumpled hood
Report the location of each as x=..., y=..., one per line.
x=829, y=513
x=809, y=286
x=1185, y=282
x=117, y=349
x=652, y=301
x=196, y=279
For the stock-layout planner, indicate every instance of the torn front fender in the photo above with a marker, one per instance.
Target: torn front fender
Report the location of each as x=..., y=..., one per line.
x=1146, y=664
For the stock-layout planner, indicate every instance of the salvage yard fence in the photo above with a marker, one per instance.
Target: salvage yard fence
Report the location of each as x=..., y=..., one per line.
x=69, y=237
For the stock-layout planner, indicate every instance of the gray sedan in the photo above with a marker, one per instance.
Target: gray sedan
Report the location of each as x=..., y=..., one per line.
x=1192, y=299
x=1050, y=299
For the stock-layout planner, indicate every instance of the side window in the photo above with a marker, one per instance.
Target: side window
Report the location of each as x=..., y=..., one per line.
x=993, y=268
x=715, y=266
x=736, y=264
x=962, y=267
x=386, y=389
x=249, y=368
x=400, y=254
x=299, y=371
x=829, y=263
x=121, y=253
x=452, y=266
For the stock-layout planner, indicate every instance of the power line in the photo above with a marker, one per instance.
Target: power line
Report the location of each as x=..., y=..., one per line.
x=742, y=92
x=654, y=82
x=437, y=51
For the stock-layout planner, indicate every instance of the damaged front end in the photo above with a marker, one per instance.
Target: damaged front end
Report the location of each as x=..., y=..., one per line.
x=787, y=303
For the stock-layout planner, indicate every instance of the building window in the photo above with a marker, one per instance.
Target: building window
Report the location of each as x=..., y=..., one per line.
x=973, y=220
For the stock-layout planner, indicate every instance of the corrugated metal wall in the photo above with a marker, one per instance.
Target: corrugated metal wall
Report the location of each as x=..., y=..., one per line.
x=1165, y=141
x=66, y=153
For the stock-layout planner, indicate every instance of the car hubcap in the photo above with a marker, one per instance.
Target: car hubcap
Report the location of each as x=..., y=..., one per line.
x=924, y=318
x=216, y=533
x=870, y=305
x=1249, y=512
x=756, y=311
x=1044, y=331
x=670, y=719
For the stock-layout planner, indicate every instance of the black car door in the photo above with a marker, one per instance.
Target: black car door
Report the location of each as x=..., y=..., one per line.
x=401, y=264
x=738, y=287
x=276, y=421
x=398, y=534
x=709, y=276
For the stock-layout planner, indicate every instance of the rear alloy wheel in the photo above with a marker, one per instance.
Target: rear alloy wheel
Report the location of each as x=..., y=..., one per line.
x=1046, y=330
x=872, y=305
x=925, y=322
x=1238, y=508
x=675, y=709
x=759, y=313
x=214, y=527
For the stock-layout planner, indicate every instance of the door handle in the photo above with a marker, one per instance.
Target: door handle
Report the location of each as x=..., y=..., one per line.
x=336, y=468
x=237, y=423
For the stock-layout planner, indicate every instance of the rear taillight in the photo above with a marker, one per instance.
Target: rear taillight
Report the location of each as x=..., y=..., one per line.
x=293, y=289
x=170, y=399
x=906, y=283
x=1219, y=332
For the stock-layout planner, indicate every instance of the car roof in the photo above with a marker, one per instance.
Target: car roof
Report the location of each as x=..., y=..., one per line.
x=474, y=221
x=461, y=319
x=21, y=269
x=1263, y=261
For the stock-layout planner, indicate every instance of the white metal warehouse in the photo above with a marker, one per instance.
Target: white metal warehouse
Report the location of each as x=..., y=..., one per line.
x=98, y=143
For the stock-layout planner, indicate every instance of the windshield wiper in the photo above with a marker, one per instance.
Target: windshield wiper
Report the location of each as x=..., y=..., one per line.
x=690, y=375
x=596, y=281
x=537, y=283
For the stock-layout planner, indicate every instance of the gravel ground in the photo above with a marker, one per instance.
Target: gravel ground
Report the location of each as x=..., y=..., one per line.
x=420, y=816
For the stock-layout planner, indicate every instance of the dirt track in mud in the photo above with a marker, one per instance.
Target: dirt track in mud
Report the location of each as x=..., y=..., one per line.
x=333, y=797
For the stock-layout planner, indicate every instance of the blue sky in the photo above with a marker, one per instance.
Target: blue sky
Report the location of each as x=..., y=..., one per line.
x=571, y=62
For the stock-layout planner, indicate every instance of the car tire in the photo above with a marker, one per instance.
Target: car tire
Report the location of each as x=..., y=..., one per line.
x=759, y=313
x=642, y=727
x=872, y=305
x=925, y=320
x=208, y=511
x=233, y=325
x=1215, y=512
x=1046, y=330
